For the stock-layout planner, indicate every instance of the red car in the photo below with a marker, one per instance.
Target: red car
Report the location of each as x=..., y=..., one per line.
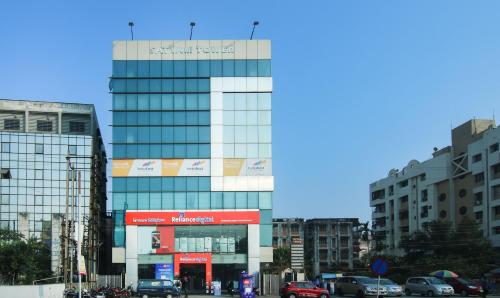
x=298, y=289
x=463, y=286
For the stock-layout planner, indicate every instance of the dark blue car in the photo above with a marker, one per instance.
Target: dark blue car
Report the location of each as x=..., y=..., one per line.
x=157, y=288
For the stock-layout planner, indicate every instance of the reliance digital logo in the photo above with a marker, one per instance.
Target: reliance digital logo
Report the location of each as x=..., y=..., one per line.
x=198, y=219
x=258, y=165
x=197, y=166
x=147, y=166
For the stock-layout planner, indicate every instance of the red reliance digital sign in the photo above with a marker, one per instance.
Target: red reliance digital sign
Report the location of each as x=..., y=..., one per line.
x=158, y=218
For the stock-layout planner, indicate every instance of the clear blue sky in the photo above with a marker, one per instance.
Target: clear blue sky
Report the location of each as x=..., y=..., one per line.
x=360, y=86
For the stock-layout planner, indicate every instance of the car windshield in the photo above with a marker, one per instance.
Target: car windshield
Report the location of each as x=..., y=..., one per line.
x=465, y=281
x=366, y=280
x=435, y=281
x=387, y=282
x=305, y=285
x=155, y=283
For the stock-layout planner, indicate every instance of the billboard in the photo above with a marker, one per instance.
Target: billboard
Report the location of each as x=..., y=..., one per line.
x=160, y=167
x=164, y=271
x=247, y=167
x=152, y=218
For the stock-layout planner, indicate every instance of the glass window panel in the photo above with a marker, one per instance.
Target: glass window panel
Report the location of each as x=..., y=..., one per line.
x=179, y=151
x=179, y=101
x=204, y=200
x=155, y=68
x=119, y=102
x=264, y=100
x=143, y=85
x=192, y=134
x=229, y=200
x=228, y=134
x=266, y=217
x=119, y=85
x=253, y=200
x=265, y=151
x=191, y=85
x=265, y=200
x=192, y=118
x=167, y=201
x=192, y=183
x=143, y=201
x=191, y=68
x=191, y=101
x=228, y=118
x=155, y=85
x=119, y=118
x=252, y=101
x=266, y=235
x=252, y=134
x=131, y=85
x=119, y=68
x=180, y=118
x=167, y=184
x=119, y=134
x=143, y=102
x=167, y=69
x=241, y=200
x=228, y=68
x=119, y=151
x=132, y=151
x=229, y=150
x=204, y=134
x=192, y=200
x=155, y=101
x=142, y=118
x=180, y=134
x=204, y=101
x=167, y=101
x=252, y=151
x=155, y=151
x=131, y=101
x=252, y=118
x=131, y=118
x=240, y=150
x=167, y=118
x=252, y=68
x=180, y=85
x=240, y=101
x=155, y=201
x=216, y=68
x=240, y=134
x=167, y=85
x=143, y=134
x=216, y=200
x=155, y=183
x=119, y=184
x=204, y=118
x=143, y=183
x=203, y=68
x=203, y=85
x=264, y=117
x=131, y=68
x=155, y=118
x=143, y=151
x=228, y=101
x=264, y=134
x=167, y=151
x=155, y=134
x=240, y=68
x=191, y=151
x=204, y=183
x=240, y=118
x=179, y=68
x=180, y=200
x=167, y=134
x=143, y=68
x=204, y=150
x=119, y=236
x=264, y=68
x=132, y=201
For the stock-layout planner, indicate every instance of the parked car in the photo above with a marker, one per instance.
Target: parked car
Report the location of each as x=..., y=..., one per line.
x=430, y=286
x=157, y=288
x=297, y=289
x=464, y=286
x=393, y=289
x=360, y=286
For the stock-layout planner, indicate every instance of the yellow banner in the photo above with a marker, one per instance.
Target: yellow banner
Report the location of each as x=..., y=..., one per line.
x=160, y=167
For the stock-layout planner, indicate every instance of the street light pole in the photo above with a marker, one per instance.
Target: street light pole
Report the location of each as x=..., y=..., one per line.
x=78, y=243
x=66, y=227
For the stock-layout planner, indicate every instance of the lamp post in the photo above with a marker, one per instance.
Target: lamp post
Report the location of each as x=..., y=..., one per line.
x=192, y=24
x=131, y=25
x=255, y=23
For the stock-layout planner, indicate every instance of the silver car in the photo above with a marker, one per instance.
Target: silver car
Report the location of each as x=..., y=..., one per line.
x=429, y=286
x=360, y=286
x=393, y=289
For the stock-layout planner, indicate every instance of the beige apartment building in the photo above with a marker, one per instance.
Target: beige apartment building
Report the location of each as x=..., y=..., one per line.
x=461, y=180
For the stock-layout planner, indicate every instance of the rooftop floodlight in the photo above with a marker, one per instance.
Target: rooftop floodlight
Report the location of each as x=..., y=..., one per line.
x=255, y=23
x=131, y=25
x=192, y=24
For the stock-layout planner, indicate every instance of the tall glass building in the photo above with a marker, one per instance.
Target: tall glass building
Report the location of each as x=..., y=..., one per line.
x=36, y=137
x=192, y=158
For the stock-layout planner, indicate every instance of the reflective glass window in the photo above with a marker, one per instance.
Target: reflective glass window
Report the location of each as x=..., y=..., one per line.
x=203, y=68
x=155, y=201
x=180, y=200
x=191, y=68
x=131, y=85
x=155, y=68
x=167, y=85
x=228, y=68
x=204, y=101
x=119, y=102
x=179, y=68
x=167, y=201
x=167, y=69
x=131, y=68
x=143, y=102
x=167, y=101
x=131, y=101
x=143, y=201
x=240, y=68
x=264, y=68
x=216, y=68
x=252, y=68
x=119, y=68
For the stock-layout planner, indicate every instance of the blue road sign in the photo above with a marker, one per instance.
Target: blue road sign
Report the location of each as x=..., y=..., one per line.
x=379, y=266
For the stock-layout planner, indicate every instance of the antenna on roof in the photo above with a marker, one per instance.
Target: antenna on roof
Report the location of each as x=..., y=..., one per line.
x=192, y=24
x=131, y=25
x=255, y=23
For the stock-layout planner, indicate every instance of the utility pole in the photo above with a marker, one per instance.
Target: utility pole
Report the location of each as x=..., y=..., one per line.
x=66, y=227
x=78, y=242
x=72, y=221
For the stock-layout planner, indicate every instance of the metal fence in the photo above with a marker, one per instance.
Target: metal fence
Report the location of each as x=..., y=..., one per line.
x=110, y=280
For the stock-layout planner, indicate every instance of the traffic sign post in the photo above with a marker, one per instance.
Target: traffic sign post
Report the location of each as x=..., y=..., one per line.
x=379, y=267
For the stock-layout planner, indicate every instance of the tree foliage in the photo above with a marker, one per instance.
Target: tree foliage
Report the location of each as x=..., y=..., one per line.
x=22, y=260
x=282, y=259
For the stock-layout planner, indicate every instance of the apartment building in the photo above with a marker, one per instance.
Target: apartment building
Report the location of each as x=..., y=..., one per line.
x=461, y=180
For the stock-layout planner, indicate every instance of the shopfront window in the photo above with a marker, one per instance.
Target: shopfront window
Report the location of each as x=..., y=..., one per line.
x=223, y=239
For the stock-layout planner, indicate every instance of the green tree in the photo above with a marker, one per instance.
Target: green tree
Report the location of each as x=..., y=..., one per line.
x=21, y=260
x=282, y=259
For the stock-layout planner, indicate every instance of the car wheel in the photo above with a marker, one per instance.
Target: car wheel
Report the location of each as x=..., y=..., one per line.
x=339, y=292
x=322, y=296
x=464, y=293
x=407, y=292
x=144, y=296
x=360, y=294
x=169, y=296
x=292, y=296
x=430, y=293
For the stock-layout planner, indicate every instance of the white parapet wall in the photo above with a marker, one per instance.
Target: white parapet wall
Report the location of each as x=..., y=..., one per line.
x=36, y=291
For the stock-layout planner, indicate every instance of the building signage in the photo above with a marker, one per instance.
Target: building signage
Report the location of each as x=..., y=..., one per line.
x=150, y=218
x=160, y=167
x=247, y=167
x=191, y=50
x=164, y=271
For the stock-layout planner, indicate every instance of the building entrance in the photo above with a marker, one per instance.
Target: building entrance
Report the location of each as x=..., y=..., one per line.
x=196, y=277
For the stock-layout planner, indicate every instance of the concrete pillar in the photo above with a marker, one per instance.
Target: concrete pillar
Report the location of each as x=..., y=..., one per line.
x=56, y=242
x=23, y=225
x=131, y=263
x=253, y=249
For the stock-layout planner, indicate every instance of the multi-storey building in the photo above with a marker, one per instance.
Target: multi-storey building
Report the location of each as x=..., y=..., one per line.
x=192, y=163
x=461, y=180
x=331, y=244
x=284, y=229
x=36, y=139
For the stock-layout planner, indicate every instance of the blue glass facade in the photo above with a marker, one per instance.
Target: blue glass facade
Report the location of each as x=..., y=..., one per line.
x=162, y=110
